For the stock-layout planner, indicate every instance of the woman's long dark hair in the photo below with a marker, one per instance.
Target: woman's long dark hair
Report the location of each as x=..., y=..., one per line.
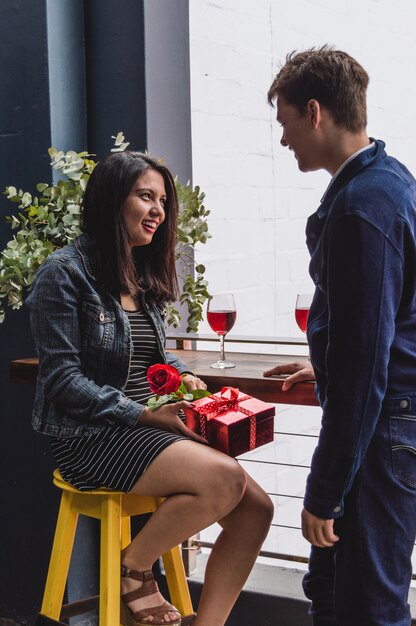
x=151, y=268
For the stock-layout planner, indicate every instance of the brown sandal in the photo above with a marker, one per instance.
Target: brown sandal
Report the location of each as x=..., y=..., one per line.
x=149, y=586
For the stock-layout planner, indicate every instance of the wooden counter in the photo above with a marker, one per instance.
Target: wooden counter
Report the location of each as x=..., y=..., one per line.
x=247, y=375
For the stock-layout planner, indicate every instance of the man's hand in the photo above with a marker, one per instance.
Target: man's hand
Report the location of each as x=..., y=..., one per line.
x=319, y=532
x=191, y=382
x=298, y=371
x=166, y=418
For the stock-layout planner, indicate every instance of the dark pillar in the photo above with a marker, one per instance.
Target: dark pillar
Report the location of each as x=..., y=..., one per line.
x=114, y=38
x=27, y=514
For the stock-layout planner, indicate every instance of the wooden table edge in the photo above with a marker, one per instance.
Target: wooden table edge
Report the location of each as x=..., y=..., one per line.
x=24, y=371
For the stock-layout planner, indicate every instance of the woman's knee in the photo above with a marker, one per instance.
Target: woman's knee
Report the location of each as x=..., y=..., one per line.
x=266, y=509
x=259, y=503
x=265, y=505
x=225, y=485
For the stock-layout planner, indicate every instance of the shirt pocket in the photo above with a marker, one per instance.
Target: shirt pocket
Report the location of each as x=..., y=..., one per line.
x=403, y=447
x=98, y=326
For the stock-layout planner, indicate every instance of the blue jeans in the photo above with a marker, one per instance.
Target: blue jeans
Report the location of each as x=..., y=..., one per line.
x=364, y=580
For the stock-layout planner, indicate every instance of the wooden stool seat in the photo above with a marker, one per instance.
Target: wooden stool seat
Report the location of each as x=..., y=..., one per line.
x=113, y=509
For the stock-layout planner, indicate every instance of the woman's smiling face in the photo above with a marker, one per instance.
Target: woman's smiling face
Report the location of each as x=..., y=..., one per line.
x=144, y=208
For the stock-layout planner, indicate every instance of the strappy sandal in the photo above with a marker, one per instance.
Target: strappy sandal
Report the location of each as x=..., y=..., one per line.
x=188, y=621
x=149, y=586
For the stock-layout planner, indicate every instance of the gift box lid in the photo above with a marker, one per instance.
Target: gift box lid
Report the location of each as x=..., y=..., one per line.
x=239, y=404
x=261, y=410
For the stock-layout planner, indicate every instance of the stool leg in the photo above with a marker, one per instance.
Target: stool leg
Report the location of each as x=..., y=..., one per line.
x=177, y=583
x=176, y=578
x=125, y=532
x=110, y=560
x=60, y=558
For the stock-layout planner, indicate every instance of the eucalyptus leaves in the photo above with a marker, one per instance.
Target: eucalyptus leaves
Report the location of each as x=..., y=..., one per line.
x=51, y=219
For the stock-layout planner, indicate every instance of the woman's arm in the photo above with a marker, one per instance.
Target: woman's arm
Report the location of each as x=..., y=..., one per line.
x=54, y=304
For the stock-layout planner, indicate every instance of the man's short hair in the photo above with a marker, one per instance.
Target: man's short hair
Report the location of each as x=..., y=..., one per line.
x=332, y=77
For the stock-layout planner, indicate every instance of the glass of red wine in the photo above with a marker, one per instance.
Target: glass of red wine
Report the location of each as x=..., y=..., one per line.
x=221, y=315
x=303, y=303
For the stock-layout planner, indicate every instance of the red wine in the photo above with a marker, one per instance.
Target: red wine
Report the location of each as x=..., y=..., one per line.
x=301, y=316
x=221, y=321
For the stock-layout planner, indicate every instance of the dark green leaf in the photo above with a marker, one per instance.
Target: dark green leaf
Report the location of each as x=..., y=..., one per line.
x=200, y=393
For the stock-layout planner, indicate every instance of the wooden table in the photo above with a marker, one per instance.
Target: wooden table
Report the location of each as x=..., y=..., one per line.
x=247, y=375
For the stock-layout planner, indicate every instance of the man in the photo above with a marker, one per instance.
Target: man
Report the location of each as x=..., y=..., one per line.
x=360, y=503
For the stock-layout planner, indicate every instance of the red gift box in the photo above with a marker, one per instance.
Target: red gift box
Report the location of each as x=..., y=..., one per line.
x=233, y=422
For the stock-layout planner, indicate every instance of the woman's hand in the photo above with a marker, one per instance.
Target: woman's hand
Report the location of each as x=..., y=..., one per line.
x=166, y=418
x=298, y=371
x=191, y=382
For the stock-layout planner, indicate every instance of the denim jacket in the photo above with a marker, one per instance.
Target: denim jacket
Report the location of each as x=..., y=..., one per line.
x=362, y=322
x=82, y=337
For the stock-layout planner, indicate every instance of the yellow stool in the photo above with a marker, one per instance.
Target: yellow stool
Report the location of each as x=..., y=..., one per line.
x=114, y=509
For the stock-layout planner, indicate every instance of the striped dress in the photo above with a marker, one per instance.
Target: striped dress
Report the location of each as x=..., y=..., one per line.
x=117, y=456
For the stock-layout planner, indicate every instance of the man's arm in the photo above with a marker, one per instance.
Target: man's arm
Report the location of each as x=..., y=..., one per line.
x=363, y=288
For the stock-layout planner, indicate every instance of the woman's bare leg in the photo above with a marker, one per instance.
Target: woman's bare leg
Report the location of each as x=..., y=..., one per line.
x=202, y=486
x=234, y=554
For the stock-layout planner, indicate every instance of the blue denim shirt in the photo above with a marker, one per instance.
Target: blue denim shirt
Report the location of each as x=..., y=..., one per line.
x=82, y=336
x=362, y=322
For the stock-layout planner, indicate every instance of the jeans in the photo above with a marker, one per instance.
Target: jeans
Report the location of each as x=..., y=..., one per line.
x=364, y=579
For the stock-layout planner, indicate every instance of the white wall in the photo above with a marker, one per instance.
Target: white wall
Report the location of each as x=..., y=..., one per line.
x=259, y=201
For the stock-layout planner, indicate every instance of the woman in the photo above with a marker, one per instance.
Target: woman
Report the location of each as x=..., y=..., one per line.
x=97, y=318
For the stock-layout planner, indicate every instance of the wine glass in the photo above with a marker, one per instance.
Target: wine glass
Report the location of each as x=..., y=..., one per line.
x=221, y=314
x=303, y=303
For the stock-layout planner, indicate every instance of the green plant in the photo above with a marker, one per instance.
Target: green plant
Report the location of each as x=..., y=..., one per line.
x=51, y=220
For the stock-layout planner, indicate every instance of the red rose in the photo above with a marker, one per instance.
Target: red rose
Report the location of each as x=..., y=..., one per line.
x=163, y=379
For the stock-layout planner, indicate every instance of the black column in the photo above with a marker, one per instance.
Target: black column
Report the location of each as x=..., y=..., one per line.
x=27, y=508
x=114, y=38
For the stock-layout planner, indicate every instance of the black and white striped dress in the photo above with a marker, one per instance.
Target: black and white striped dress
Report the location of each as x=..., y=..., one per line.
x=117, y=456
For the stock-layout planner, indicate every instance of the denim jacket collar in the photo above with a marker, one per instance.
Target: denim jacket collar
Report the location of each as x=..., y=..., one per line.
x=361, y=160
x=316, y=221
x=88, y=252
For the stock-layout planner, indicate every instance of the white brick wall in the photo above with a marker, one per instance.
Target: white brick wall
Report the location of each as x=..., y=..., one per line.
x=259, y=200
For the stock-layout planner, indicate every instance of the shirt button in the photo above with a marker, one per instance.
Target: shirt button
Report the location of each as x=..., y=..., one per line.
x=337, y=509
x=101, y=316
x=404, y=404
